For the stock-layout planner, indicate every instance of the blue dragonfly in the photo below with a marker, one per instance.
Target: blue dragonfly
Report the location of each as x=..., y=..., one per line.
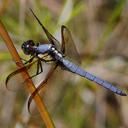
x=59, y=55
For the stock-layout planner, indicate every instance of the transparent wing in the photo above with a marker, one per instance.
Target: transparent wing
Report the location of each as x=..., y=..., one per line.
x=34, y=68
x=68, y=45
x=49, y=36
x=14, y=79
x=42, y=84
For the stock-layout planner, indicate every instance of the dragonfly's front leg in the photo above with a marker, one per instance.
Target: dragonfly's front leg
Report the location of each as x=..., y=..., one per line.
x=30, y=60
x=27, y=61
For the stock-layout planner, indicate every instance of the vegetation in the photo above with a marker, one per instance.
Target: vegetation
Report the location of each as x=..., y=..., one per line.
x=99, y=30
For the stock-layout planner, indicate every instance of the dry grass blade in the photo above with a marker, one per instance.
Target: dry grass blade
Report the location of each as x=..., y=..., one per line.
x=30, y=86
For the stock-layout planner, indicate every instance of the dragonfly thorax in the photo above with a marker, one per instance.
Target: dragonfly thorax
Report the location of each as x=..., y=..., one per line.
x=44, y=48
x=50, y=49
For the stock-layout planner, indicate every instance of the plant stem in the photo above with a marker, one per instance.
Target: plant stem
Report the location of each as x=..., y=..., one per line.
x=30, y=86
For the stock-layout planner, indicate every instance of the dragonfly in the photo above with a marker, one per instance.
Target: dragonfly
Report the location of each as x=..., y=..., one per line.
x=59, y=56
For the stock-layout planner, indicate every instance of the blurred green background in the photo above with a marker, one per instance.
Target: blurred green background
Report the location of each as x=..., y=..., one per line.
x=100, y=32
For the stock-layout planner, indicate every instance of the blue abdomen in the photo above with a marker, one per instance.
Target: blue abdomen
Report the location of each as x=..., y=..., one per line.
x=77, y=70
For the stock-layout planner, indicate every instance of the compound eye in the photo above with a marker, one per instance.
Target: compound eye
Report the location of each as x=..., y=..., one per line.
x=31, y=42
x=22, y=46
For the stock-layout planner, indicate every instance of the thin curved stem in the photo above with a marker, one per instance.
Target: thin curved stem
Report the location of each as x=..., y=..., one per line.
x=30, y=86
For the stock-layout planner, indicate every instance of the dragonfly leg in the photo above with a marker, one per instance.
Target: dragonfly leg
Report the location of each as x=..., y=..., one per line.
x=30, y=60
x=39, y=70
x=39, y=67
x=26, y=61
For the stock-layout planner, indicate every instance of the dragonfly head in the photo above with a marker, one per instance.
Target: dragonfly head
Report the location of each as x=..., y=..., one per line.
x=28, y=47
